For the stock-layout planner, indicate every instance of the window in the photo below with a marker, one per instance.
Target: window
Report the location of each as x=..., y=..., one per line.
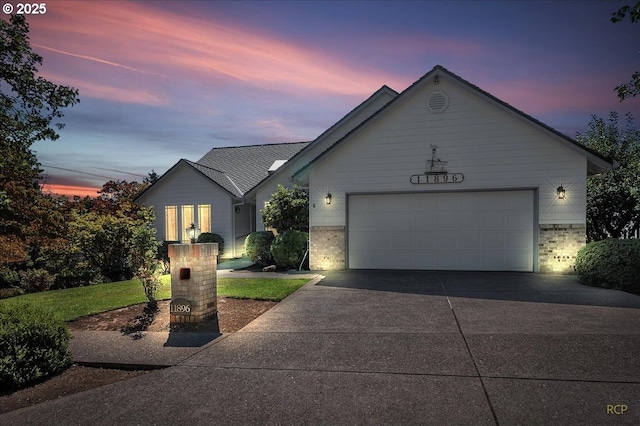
x=171, y=223
x=187, y=220
x=204, y=217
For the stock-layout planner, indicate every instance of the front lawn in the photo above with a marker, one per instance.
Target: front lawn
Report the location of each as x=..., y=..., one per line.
x=71, y=303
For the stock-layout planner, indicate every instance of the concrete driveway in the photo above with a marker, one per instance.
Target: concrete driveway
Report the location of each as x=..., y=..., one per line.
x=398, y=347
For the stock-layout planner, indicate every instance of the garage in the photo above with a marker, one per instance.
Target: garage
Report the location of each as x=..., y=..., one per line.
x=472, y=231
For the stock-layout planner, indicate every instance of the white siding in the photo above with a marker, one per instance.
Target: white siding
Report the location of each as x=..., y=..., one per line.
x=324, y=141
x=186, y=186
x=493, y=147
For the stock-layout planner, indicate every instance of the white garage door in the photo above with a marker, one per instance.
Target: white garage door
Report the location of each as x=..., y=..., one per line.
x=473, y=231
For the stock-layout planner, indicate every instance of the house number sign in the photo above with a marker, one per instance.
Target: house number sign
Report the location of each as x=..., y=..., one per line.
x=437, y=178
x=180, y=307
x=436, y=172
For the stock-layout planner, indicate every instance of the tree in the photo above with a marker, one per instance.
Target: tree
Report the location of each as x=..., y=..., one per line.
x=28, y=107
x=109, y=229
x=287, y=210
x=632, y=88
x=613, y=197
x=144, y=259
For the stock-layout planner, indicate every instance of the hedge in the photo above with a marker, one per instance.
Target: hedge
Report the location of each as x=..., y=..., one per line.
x=288, y=249
x=610, y=264
x=257, y=247
x=209, y=237
x=33, y=345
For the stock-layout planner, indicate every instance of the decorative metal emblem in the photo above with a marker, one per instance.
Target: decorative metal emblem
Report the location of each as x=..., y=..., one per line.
x=436, y=172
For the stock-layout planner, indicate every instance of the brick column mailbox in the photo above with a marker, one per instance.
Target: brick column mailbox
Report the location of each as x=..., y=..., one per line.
x=193, y=282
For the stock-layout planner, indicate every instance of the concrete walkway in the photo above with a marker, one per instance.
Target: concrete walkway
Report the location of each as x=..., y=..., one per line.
x=378, y=347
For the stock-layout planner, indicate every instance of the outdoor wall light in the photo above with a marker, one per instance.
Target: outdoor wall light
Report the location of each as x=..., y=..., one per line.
x=193, y=232
x=561, y=192
x=237, y=209
x=327, y=199
x=436, y=79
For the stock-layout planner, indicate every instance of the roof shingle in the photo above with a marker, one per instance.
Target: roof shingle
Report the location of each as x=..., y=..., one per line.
x=238, y=169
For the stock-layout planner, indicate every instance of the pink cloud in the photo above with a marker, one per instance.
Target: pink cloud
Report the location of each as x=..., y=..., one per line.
x=544, y=96
x=94, y=89
x=138, y=37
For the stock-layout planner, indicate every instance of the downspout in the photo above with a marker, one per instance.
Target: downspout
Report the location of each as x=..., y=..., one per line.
x=233, y=230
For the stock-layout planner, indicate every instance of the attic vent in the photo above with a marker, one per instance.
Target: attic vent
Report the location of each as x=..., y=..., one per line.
x=437, y=102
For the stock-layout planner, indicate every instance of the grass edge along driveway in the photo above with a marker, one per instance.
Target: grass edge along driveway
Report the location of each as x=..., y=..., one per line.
x=71, y=303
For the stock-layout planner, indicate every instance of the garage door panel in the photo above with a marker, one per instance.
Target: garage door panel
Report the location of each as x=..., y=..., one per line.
x=452, y=231
x=470, y=240
x=518, y=239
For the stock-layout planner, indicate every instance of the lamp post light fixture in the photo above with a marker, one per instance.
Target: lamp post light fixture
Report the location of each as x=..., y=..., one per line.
x=327, y=199
x=561, y=192
x=193, y=232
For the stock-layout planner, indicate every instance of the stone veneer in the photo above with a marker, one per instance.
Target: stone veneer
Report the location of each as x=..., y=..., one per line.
x=200, y=289
x=558, y=246
x=326, y=248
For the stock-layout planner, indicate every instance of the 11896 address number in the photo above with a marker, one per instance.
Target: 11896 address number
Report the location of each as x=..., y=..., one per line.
x=437, y=178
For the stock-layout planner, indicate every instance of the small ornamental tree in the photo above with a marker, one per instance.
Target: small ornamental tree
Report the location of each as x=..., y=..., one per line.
x=287, y=210
x=144, y=259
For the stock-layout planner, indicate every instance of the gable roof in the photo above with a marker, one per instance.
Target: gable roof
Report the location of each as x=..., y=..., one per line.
x=384, y=91
x=596, y=163
x=237, y=169
x=246, y=166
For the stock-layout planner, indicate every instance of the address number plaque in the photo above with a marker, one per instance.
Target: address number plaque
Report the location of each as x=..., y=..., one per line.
x=437, y=178
x=180, y=307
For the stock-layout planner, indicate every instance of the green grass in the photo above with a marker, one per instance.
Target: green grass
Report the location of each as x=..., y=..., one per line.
x=274, y=289
x=77, y=302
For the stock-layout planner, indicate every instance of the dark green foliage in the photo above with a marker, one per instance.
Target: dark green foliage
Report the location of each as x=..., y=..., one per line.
x=288, y=249
x=163, y=255
x=35, y=280
x=610, y=264
x=287, y=210
x=632, y=88
x=33, y=345
x=208, y=237
x=144, y=261
x=8, y=277
x=30, y=107
x=257, y=247
x=613, y=197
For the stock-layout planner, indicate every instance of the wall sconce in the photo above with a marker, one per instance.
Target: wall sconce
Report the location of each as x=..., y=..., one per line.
x=237, y=209
x=193, y=232
x=561, y=192
x=327, y=199
x=436, y=79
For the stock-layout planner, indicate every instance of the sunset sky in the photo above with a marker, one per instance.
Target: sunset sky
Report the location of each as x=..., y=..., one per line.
x=165, y=80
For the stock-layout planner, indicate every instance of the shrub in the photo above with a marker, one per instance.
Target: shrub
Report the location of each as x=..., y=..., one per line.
x=33, y=345
x=9, y=277
x=163, y=255
x=8, y=292
x=610, y=264
x=35, y=280
x=288, y=249
x=208, y=237
x=257, y=247
x=288, y=209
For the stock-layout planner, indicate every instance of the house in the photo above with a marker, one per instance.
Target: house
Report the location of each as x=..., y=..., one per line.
x=442, y=176
x=210, y=193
